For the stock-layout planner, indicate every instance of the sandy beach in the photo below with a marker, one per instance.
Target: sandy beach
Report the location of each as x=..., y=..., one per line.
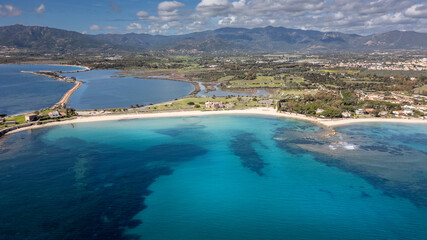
x=328, y=123
x=339, y=122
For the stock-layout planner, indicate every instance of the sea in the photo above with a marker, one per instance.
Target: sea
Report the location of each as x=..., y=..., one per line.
x=23, y=92
x=110, y=89
x=214, y=177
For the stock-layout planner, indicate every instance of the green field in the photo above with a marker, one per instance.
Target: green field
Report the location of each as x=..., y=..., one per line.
x=18, y=119
x=339, y=71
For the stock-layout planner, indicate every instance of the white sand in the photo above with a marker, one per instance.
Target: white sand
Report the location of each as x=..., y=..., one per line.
x=257, y=111
x=338, y=122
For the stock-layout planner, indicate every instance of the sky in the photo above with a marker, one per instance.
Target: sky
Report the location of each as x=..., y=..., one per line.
x=184, y=16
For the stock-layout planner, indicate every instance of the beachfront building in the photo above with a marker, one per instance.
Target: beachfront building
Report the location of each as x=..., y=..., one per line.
x=31, y=117
x=214, y=105
x=56, y=114
x=346, y=115
x=267, y=102
x=359, y=111
x=397, y=113
x=408, y=112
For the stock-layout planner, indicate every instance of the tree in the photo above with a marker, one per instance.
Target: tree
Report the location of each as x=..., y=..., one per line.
x=251, y=76
x=332, y=113
x=71, y=112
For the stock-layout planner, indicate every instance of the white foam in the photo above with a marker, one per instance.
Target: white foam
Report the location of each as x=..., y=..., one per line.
x=348, y=146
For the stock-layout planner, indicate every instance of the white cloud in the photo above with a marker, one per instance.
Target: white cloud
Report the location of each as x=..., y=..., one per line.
x=134, y=26
x=417, y=11
x=99, y=28
x=227, y=20
x=157, y=29
x=94, y=28
x=239, y=4
x=9, y=10
x=142, y=14
x=214, y=7
x=396, y=18
x=40, y=9
x=168, y=11
x=339, y=15
x=195, y=26
x=169, y=6
x=349, y=16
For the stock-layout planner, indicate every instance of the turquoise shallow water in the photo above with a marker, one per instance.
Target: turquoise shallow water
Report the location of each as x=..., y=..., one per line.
x=24, y=92
x=216, y=177
x=108, y=89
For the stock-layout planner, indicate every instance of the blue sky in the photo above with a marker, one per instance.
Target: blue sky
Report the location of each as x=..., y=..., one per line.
x=177, y=17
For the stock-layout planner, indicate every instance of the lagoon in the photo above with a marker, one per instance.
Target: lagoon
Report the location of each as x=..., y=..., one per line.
x=109, y=89
x=214, y=177
x=23, y=92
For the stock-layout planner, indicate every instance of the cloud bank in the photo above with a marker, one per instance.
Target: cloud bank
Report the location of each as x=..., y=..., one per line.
x=361, y=17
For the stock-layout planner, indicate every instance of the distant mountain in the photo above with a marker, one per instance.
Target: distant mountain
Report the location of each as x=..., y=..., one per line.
x=45, y=39
x=271, y=39
x=266, y=39
x=398, y=39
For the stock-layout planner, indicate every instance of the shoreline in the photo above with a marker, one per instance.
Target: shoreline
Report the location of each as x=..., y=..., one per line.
x=341, y=122
x=327, y=123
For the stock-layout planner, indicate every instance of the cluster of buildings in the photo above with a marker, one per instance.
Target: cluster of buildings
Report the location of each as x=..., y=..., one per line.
x=407, y=111
x=4, y=51
x=114, y=58
x=392, y=98
x=411, y=108
x=413, y=64
x=218, y=105
x=32, y=117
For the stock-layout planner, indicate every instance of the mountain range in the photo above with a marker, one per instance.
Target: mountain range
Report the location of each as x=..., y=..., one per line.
x=268, y=39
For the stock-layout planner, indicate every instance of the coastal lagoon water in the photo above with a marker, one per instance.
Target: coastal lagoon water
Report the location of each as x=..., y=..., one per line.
x=23, y=92
x=108, y=89
x=214, y=177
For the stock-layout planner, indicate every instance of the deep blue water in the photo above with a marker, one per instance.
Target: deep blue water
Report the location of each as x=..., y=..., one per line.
x=23, y=92
x=215, y=177
x=101, y=90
